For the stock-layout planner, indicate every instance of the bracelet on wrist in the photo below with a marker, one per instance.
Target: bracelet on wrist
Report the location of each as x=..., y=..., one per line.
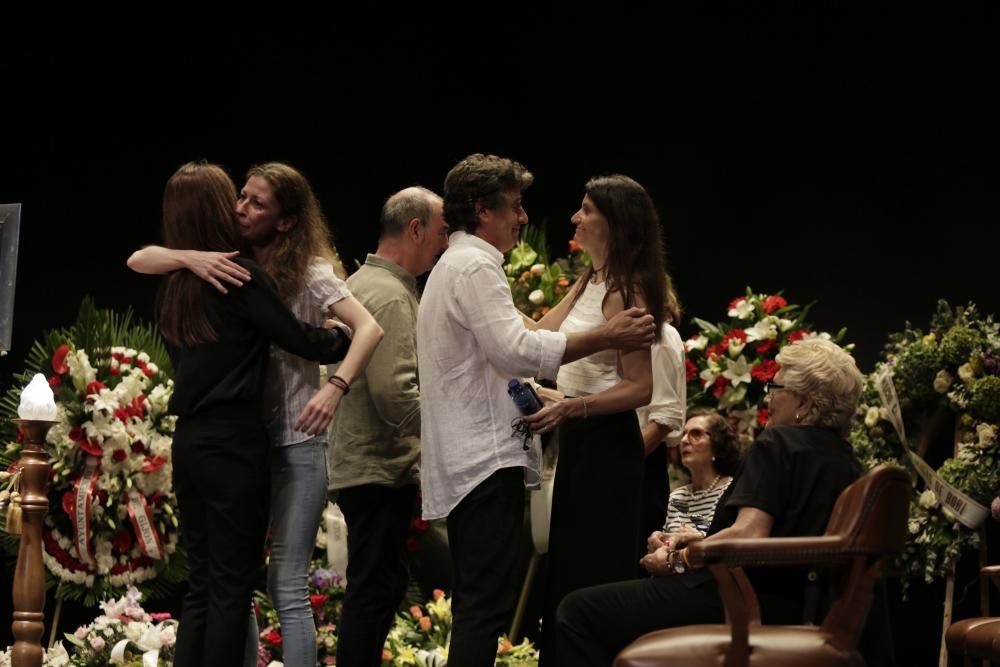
x=339, y=382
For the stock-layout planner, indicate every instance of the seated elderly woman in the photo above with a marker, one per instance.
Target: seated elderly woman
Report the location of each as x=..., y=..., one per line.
x=791, y=479
x=710, y=452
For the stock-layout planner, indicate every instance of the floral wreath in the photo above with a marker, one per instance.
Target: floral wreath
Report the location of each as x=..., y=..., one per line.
x=111, y=522
x=729, y=363
x=953, y=370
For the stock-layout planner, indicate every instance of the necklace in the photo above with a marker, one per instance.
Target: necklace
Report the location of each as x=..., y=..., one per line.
x=710, y=486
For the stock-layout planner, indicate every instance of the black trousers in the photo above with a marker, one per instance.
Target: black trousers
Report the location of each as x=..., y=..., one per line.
x=483, y=531
x=378, y=518
x=221, y=480
x=595, y=511
x=655, y=491
x=594, y=624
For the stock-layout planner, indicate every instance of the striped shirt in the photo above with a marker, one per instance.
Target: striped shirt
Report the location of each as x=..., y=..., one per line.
x=292, y=380
x=697, y=508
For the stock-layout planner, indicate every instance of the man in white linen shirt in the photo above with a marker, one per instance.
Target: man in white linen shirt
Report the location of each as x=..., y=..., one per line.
x=471, y=341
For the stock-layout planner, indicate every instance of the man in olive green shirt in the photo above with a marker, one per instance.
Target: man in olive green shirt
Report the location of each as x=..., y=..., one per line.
x=374, y=448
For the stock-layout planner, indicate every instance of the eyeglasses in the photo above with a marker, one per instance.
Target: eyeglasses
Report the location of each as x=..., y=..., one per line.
x=695, y=433
x=771, y=386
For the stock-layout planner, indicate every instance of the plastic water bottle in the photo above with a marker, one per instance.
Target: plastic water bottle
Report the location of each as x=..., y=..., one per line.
x=524, y=397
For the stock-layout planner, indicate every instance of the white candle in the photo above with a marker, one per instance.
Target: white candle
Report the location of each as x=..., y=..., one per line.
x=37, y=401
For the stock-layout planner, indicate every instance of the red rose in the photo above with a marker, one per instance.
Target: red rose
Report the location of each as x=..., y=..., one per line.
x=317, y=601
x=121, y=415
x=153, y=463
x=720, y=386
x=573, y=246
x=773, y=303
x=798, y=335
x=145, y=371
x=92, y=447
x=126, y=360
x=735, y=302
x=273, y=638
x=691, y=370
x=762, y=416
x=59, y=359
x=765, y=370
x=714, y=350
x=138, y=447
x=122, y=541
x=738, y=334
x=76, y=434
x=95, y=387
x=119, y=455
x=69, y=502
x=55, y=381
x=766, y=346
x=115, y=371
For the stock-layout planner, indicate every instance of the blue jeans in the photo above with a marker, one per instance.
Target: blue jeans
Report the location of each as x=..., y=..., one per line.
x=298, y=497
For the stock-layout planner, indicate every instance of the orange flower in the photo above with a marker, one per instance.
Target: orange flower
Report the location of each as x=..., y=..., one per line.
x=505, y=646
x=415, y=612
x=438, y=594
x=544, y=311
x=425, y=623
x=387, y=655
x=537, y=315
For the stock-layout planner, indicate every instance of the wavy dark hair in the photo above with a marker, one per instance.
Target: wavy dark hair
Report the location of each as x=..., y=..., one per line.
x=199, y=213
x=636, y=258
x=481, y=179
x=726, y=448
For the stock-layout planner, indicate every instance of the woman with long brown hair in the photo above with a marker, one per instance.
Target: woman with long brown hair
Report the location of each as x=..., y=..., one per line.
x=219, y=345
x=599, y=475
x=279, y=217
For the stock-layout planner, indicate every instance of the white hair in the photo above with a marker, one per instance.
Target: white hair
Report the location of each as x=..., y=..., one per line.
x=821, y=370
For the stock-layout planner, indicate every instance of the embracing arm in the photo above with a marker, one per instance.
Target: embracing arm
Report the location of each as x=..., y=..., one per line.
x=319, y=411
x=208, y=265
x=632, y=391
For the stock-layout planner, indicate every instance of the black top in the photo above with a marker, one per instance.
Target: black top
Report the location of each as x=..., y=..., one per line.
x=795, y=474
x=229, y=373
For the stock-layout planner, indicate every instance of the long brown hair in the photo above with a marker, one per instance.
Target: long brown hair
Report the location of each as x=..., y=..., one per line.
x=635, y=245
x=291, y=252
x=199, y=213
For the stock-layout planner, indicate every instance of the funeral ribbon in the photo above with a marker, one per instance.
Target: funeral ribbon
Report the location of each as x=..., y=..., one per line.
x=85, y=487
x=966, y=510
x=142, y=522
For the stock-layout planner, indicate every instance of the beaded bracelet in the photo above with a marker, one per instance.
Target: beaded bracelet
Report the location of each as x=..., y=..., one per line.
x=340, y=382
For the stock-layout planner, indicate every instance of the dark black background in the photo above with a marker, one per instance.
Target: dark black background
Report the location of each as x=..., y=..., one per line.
x=845, y=152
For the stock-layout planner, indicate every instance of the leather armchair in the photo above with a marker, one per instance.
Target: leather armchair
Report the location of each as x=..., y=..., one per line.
x=867, y=526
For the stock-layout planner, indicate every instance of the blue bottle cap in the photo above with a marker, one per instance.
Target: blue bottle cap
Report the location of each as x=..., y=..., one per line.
x=513, y=384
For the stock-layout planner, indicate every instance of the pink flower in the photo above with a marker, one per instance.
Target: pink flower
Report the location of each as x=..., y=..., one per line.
x=97, y=643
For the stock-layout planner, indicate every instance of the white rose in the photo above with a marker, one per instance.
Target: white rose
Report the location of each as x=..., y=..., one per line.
x=871, y=417
x=927, y=499
x=986, y=433
x=966, y=373
x=537, y=297
x=537, y=270
x=143, y=357
x=942, y=381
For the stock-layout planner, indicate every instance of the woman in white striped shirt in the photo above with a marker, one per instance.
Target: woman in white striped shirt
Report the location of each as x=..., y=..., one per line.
x=710, y=452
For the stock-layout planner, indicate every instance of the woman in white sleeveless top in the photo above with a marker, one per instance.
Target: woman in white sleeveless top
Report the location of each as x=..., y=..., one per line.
x=596, y=498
